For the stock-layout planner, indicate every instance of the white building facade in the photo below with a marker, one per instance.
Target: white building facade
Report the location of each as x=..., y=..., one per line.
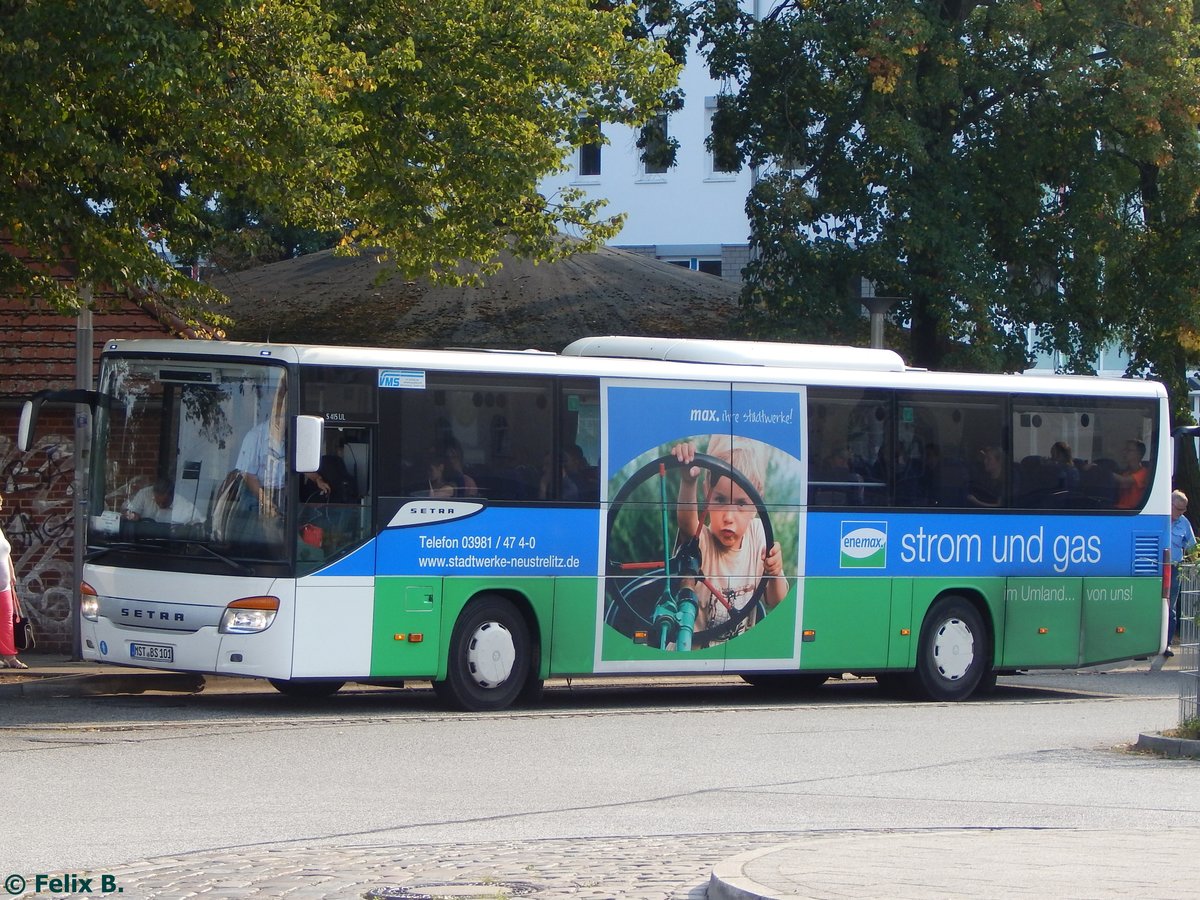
x=691, y=214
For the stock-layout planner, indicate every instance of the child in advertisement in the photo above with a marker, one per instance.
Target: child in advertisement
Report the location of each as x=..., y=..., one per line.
x=733, y=552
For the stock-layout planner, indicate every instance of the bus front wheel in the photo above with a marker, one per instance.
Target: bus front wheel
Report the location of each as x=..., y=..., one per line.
x=489, y=662
x=952, y=657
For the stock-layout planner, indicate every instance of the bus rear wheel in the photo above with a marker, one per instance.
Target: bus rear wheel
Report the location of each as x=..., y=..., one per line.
x=306, y=690
x=489, y=663
x=952, y=657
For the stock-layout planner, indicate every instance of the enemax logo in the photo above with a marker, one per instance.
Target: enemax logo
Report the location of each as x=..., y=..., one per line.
x=864, y=545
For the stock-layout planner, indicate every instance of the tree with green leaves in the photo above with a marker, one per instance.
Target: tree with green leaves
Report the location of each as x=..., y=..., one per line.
x=419, y=130
x=993, y=165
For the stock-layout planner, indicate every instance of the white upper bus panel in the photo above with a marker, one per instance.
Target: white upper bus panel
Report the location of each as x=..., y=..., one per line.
x=742, y=353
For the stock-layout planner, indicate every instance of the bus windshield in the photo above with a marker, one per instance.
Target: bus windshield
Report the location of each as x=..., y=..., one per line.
x=191, y=458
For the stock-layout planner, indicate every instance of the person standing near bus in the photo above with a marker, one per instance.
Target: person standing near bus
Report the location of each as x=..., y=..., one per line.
x=734, y=555
x=8, y=603
x=263, y=470
x=1134, y=478
x=1183, y=539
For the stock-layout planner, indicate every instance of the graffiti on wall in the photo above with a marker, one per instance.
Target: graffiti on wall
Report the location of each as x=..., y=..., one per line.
x=39, y=492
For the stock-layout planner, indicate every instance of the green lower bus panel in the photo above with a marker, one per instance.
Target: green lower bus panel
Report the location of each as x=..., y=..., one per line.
x=573, y=644
x=414, y=618
x=1042, y=619
x=1121, y=618
x=846, y=623
x=406, y=633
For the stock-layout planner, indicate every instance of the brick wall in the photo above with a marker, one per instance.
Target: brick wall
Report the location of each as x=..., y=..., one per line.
x=734, y=258
x=38, y=485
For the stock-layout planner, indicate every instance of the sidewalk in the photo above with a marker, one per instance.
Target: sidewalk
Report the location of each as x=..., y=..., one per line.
x=974, y=862
x=57, y=675
x=960, y=862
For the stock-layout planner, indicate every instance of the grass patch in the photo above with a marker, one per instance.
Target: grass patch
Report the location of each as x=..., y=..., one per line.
x=1188, y=730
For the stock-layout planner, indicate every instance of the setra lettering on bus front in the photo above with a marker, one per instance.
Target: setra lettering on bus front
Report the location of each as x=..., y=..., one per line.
x=153, y=615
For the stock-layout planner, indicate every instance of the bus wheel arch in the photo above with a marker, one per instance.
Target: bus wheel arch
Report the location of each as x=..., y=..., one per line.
x=954, y=650
x=492, y=654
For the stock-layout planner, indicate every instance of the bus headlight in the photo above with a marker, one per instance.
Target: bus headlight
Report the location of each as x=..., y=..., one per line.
x=89, y=603
x=249, y=615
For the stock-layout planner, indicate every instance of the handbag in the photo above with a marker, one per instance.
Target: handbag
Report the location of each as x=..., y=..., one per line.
x=312, y=534
x=23, y=638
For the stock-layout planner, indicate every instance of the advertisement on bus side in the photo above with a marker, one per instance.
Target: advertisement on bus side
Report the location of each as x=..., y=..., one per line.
x=701, y=544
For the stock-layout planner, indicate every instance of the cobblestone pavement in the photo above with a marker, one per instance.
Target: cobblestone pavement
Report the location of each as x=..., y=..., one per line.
x=672, y=867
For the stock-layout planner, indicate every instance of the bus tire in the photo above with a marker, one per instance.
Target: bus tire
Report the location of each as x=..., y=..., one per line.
x=952, y=656
x=785, y=682
x=306, y=690
x=489, y=658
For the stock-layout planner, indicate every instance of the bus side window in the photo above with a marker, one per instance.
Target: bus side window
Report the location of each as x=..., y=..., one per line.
x=578, y=476
x=357, y=458
x=848, y=429
x=466, y=435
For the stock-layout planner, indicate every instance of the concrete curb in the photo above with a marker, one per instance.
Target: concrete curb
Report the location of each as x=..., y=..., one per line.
x=730, y=882
x=1178, y=748
x=100, y=683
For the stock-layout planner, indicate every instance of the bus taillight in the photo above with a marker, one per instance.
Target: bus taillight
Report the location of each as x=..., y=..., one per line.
x=249, y=615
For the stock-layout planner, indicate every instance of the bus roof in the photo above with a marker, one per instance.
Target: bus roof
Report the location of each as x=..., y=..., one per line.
x=660, y=358
x=742, y=353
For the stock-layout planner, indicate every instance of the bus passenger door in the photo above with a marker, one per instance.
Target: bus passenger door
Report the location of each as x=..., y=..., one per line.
x=767, y=462
x=654, y=613
x=335, y=605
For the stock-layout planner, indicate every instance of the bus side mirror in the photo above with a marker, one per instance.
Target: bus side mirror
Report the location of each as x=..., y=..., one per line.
x=309, y=431
x=28, y=426
x=29, y=412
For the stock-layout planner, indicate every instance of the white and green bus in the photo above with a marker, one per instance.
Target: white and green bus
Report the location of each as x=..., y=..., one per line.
x=488, y=520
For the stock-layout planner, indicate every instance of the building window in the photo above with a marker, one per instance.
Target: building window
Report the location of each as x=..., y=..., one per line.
x=657, y=146
x=589, y=151
x=723, y=161
x=696, y=264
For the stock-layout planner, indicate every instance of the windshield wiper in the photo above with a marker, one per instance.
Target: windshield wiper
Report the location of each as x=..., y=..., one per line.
x=232, y=563
x=109, y=548
x=160, y=544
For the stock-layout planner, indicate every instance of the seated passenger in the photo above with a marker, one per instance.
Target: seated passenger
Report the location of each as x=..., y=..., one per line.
x=157, y=503
x=987, y=487
x=839, y=484
x=443, y=480
x=454, y=462
x=1134, y=478
x=579, y=477
x=1064, y=459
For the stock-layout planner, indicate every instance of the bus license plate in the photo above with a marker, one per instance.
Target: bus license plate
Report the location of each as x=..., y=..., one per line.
x=152, y=652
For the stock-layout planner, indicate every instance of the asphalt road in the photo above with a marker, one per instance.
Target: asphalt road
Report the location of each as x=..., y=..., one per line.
x=607, y=785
